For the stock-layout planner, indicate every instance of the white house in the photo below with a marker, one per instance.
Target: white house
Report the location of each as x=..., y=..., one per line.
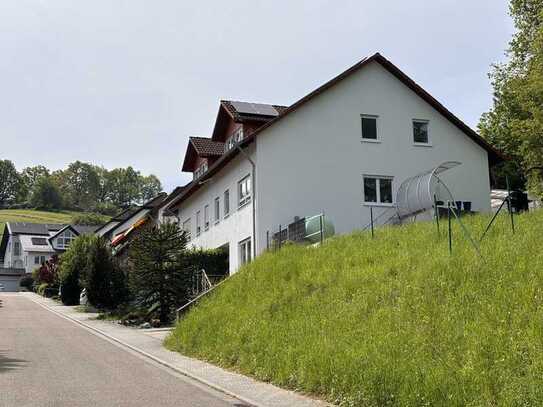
x=26, y=246
x=342, y=149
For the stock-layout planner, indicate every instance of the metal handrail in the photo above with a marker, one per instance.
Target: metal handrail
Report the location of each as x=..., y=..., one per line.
x=197, y=298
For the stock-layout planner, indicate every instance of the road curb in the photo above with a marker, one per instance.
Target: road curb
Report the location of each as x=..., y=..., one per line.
x=155, y=359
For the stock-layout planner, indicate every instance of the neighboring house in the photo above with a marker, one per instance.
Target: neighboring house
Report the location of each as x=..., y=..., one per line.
x=342, y=149
x=121, y=229
x=26, y=246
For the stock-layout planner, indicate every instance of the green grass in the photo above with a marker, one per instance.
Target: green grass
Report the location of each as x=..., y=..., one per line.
x=394, y=321
x=33, y=216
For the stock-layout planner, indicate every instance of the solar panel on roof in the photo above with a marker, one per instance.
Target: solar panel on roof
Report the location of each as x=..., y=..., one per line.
x=255, y=108
x=39, y=241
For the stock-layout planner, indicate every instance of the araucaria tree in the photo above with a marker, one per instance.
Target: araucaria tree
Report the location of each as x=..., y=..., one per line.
x=160, y=275
x=515, y=123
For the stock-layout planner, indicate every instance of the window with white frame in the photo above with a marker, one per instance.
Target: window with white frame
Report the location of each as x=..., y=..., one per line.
x=206, y=217
x=369, y=127
x=38, y=260
x=16, y=248
x=420, y=132
x=377, y=190
x=236, y=137
x=201, y=170
x=186, y=228
x=198, y=226
x=245, y=251
x=65, y=239
x=217, y=209
x=226, y=204
x=244, y=191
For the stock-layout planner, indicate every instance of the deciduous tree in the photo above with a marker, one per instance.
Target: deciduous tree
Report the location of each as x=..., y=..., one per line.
x=515, y=122
x=10, y=182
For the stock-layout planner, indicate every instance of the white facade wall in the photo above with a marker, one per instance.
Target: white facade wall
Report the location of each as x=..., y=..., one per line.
x=30, y=266
x=237, y=226
x=314, y=159
x=10, y=260
x=25, y=259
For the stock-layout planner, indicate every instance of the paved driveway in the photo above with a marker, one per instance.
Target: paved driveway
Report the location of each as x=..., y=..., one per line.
x=46, y=360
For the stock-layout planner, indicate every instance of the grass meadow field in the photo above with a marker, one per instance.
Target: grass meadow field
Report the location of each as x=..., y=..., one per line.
x=390, y=321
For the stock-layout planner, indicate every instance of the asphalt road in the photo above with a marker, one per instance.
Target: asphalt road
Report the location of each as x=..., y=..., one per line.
x=46, y=360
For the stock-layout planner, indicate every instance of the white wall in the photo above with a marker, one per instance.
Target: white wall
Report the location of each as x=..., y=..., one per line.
x=230, y=230
x=30, y=266
x=10, y=260
x=314, y=159
x=25, y=260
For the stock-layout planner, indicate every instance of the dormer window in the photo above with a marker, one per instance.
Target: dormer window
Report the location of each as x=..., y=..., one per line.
x=236, y=137
x=65, y=239
x=201, y=170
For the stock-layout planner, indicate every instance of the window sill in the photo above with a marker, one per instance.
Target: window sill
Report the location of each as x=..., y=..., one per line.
x=241, y=206
x=422, y=144
x=370, y=140
x=379, y=204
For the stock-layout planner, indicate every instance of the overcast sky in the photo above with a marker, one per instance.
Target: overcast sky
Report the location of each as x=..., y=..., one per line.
x=120, y=83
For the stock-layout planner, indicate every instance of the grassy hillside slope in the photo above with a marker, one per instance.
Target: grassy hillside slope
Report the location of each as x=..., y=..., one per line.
x=33, y=216
x=390, y=321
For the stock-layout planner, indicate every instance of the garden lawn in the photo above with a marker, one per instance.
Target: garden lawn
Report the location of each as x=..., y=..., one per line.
x=393, y=321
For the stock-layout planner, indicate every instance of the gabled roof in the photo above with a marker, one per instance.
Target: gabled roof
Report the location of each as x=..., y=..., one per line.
x=206, y=147
x=231, y=110
x=202, y=147
x=78, y=230
x=24, y=228
x=493, y=154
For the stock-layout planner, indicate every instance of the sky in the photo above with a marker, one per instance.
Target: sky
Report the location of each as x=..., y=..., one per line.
x=126, y=82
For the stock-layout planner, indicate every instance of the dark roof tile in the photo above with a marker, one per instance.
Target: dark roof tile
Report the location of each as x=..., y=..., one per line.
x=206, y=147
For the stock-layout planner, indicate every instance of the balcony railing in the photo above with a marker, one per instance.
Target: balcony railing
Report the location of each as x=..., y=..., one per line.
x=12, y=271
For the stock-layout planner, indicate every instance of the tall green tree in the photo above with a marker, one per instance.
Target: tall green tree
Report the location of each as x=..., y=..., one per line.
x=10, y=182
x=515, y=123
x=31, y=175
x=46, y=195
x=81, y=185
x=160, y=274
x=150, y=187
x=123, y=186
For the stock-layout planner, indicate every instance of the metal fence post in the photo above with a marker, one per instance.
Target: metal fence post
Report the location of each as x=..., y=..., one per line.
x=322, y=226
x=280, y=237
x=267, y=240
x=371, y=221
x=510, y=205
x=450, y=229
x=436, y=213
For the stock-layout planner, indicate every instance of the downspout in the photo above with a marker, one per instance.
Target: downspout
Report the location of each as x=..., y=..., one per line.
x=253, y=188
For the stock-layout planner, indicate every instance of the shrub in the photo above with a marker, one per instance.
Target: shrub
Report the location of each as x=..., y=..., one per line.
x=102, y=277
x=41, y=288
x=48, y=272
x=73, y=261
x=94, y=219
x=27, y=282
x=106, y=208
x=214, y=261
